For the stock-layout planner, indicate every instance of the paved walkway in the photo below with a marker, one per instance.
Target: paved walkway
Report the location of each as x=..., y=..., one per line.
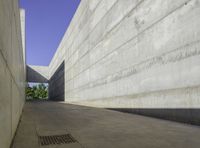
x=100, y=128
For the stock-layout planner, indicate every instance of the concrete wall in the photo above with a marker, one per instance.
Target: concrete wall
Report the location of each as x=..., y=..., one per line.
x=133, y=54
x=23, y=32
x=56, y=84
x=12, y=73
x=37, y=74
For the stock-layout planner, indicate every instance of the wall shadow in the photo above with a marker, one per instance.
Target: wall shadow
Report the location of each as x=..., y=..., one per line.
x=57, y=84
x=183, y=115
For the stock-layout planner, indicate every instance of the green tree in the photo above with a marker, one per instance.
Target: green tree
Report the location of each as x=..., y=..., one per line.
x=42, y=91
x=37, y=92
x=29, y=92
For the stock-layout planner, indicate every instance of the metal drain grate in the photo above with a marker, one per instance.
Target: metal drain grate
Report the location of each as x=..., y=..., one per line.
x=56, y=139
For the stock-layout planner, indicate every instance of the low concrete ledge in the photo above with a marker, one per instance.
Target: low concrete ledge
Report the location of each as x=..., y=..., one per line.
x=180, y=104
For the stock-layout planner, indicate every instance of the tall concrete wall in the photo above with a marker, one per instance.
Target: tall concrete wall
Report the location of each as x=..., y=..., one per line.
x=56, y=84
x=12, y=73
x=23, y=33
x=133, y=54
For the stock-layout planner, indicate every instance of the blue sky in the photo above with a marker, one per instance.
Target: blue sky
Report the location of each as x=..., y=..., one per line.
x=46, y=23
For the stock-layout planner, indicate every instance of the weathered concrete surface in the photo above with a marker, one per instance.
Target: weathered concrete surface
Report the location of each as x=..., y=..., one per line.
x=100, y=128
x=12, y=70
x=132, y=49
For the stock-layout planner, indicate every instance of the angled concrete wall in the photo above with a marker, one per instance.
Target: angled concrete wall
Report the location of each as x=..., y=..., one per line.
x=133, y=54
x=37, y=74
x=12, y=73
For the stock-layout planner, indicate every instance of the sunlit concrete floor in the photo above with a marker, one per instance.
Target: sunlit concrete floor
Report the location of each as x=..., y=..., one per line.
x=100, y=128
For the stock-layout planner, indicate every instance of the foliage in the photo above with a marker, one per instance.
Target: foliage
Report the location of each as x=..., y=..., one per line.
x=37, y=92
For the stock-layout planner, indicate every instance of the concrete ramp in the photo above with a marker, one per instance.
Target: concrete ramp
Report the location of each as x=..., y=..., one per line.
x=100, y=128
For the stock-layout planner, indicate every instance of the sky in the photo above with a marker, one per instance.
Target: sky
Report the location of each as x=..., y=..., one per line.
x=46, y=23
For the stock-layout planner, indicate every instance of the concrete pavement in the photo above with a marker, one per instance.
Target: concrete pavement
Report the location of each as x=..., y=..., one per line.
x=100, y=128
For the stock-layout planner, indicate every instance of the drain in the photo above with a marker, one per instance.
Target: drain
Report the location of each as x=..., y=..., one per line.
x=56, y=139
